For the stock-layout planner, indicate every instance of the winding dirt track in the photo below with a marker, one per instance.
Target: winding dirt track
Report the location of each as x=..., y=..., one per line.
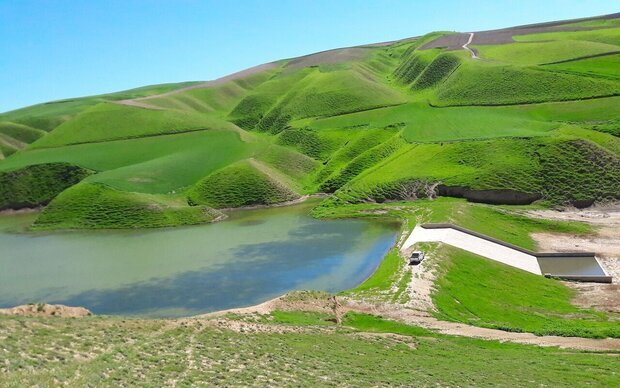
x=466, y=46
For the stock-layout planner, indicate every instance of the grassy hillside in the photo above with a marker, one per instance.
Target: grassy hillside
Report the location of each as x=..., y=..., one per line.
x=537, y=305
x=544, y=169
x=96, y=206
x=535, y=118
x=241, y=184
x=537, y=53
x=602, y=66
x=365, y=351
x=49, y=115
x=109, y=121
x=38, y=184
x=492, y=84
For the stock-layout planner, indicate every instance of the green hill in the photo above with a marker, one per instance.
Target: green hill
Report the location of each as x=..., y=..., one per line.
x=414, y=131
x=535, y=117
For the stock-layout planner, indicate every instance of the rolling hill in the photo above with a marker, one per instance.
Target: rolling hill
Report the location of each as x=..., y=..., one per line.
x=534, y=115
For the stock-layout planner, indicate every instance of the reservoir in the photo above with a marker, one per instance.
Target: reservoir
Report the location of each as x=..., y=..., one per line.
x=253, y=256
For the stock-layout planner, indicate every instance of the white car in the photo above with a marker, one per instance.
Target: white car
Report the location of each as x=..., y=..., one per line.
x=416, y=258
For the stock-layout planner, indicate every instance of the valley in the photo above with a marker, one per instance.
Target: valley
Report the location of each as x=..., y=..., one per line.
x=256, y=229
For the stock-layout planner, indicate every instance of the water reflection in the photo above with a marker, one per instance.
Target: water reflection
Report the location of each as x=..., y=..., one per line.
x=254, y=256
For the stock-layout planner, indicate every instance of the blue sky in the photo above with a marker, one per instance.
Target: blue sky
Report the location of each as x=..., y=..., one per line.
x=59, y=49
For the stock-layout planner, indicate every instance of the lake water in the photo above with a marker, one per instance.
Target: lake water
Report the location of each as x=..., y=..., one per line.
x=253, y=256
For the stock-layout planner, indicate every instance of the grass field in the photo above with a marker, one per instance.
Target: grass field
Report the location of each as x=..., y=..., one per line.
x=541, y=167
x=110, y=121
x=609, y=36
x=148, y=164
x=422, y=123
x=490, y=84
x=482, y=292
x=365, y=351
x=536, y=53
x=603, y=66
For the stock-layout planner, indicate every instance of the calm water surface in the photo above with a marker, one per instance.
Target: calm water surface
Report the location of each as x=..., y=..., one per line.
x=249, y=258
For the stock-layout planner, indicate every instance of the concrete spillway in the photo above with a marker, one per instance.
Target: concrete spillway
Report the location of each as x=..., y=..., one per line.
x=580, y=266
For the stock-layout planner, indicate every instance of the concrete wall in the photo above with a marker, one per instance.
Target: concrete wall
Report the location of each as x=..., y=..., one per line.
x=480, y=246
x=498, y=250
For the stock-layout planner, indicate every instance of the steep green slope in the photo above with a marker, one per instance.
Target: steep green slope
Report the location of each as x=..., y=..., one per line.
x=311, y=93
x=519, y=171
x=491, y=84
x=97, y=206
x=38, y=184
x=537, y=305
x=240, y=184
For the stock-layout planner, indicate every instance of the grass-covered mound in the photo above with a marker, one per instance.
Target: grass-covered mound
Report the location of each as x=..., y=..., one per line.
x=20, y=132
x=437, y=71
x=486, y=293
x=241, y=184
x=572, y=171
x=109, y=121
x=97, y=206
x=413, y=64
x=38, y=184
x=489, y=84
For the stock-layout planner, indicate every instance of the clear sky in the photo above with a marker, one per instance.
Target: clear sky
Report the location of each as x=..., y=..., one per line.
x=53, y=49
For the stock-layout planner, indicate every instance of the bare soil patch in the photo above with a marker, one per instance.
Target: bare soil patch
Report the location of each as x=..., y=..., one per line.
x=46, y=310
x=330, y=57
x=605, y=243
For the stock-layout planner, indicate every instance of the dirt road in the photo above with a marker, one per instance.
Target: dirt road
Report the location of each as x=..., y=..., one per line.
x=466, y=46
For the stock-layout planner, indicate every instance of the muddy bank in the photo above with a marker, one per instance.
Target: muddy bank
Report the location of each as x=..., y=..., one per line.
x=605, y=242
x=46, y=310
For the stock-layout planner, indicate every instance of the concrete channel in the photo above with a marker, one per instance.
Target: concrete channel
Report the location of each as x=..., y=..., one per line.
x=575, y=266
